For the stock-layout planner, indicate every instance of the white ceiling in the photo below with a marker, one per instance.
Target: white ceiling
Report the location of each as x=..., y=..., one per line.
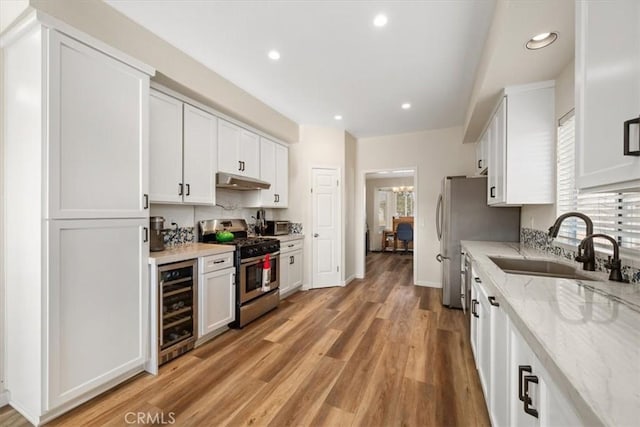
x=333, y=60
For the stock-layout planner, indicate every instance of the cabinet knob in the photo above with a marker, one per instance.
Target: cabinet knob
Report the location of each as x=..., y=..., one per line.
x=492, y=192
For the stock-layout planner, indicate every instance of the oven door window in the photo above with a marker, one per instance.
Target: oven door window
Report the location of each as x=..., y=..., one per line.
x=252, y=286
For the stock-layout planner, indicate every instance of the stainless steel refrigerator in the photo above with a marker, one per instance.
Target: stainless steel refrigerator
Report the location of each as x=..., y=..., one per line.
x=462, y=213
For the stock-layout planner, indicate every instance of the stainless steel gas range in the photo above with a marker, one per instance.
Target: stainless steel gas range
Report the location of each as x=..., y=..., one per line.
x=254, y=297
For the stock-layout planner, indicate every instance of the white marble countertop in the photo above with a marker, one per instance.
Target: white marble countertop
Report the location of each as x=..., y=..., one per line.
x=290, y=237
x=188, y=251
x=585, y=333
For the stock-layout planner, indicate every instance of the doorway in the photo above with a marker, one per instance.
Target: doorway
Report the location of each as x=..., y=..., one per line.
x=390, y=215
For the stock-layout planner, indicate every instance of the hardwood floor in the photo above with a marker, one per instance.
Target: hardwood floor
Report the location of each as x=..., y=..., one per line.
x=380, y=352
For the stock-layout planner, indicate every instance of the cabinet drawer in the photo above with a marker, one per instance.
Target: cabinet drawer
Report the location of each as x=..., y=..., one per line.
x=216, y=262
x=293, y=245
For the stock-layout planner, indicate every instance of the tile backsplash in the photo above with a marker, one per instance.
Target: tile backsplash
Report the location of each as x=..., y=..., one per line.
x=540, y=240
x=179, y=236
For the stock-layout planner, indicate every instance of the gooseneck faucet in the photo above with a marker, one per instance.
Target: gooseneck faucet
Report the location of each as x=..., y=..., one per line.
x=588, y=259
x=615, y=265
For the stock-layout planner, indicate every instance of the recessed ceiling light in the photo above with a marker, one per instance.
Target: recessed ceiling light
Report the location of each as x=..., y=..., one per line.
x=274, y=54
x=406, y=106
x=380, y=20
x=337, y=117
x=541, y=40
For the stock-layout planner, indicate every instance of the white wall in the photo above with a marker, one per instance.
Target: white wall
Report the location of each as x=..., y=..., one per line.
x=373, y=184
x=318, y=147
x=434, y=154
x=350, y=223
x=541, y=217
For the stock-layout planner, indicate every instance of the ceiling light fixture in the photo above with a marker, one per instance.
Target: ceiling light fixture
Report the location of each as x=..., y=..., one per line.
x=337, y=117
x=274, y=54
x=406, y=106
x=541, y=40
x=380, y=20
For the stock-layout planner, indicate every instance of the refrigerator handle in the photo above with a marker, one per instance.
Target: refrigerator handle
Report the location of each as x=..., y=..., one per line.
x=439, y=217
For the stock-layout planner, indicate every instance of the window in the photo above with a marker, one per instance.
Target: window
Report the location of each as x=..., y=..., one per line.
x=615, y=214
x=404, y=202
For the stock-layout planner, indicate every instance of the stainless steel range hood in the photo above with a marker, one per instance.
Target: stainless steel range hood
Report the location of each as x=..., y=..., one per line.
x=237, y=182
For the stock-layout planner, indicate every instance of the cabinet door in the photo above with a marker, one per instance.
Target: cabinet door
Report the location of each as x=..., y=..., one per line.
x=474, y=322
x=285, y=272
x=521, y=358
x=217, y=300
x=295, y=269
x=249, y=154
x=98, y=111
x=97, y=325
x=497, y=164
x=228, y=147
x=268, y=171
x=499, y=408
x=484, y=338
x=282, y=176
x=165, y=148
x=200, y=156
x=607, y=91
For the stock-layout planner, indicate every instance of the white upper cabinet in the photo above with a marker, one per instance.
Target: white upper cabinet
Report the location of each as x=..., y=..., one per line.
x=200, y=156
x=607, y=93
x=238, y=150
x=482, y=150
x=97, y=149
x=522, y=146
x=183, y=152
x=165, y=154
x=282, y=176
x=274, y=169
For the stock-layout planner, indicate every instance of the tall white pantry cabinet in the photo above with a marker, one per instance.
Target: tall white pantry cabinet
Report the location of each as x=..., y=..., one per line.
x=76, y=216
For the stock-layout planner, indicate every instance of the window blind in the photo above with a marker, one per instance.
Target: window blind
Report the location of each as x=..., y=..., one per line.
x=615, y=214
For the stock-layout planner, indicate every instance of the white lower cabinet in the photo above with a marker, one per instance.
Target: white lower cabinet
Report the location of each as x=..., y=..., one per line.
x=518, y=390
x=290, y=266
x=216, y=293
x=98, y=304
x=534, y=399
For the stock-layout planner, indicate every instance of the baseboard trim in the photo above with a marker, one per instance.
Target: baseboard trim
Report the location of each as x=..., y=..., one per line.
x=349, y=280
x=428, y=284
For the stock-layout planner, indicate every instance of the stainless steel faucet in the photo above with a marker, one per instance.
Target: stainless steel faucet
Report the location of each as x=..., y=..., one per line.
x=615, y=265
x=588, y=259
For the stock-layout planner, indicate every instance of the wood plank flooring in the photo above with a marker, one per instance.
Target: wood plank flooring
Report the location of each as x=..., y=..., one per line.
x=380, y=352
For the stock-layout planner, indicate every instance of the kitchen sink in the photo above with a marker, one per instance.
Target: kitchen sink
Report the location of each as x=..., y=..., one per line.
x=538, y=267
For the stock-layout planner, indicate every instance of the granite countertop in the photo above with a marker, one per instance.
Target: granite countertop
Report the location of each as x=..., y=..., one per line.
x=289, y=237
x=188, y=251
x=585, y=333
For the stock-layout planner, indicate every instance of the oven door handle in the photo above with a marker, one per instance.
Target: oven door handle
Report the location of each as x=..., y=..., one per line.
x=257, y=259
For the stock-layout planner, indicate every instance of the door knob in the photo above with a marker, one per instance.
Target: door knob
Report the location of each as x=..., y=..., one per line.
x=316, y=235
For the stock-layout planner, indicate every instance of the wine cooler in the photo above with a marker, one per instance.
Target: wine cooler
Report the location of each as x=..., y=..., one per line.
x=178, y=299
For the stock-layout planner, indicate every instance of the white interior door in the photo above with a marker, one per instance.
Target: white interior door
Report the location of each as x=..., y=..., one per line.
x=326, y=228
